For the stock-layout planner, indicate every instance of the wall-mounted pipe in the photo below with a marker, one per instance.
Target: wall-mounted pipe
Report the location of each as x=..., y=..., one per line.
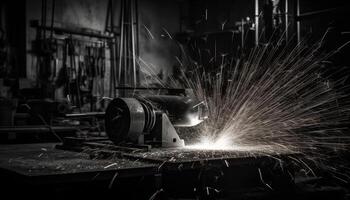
x=256, y=22
x=297, y=19
x=133, y=44
x=121, y=44
x=286, y=12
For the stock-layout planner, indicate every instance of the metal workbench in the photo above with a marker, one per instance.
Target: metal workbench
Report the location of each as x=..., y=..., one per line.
x=47, y=162
x=178, y=171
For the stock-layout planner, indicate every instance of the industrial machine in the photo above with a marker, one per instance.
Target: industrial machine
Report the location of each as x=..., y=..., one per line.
x=141, y=151
x=150, y=120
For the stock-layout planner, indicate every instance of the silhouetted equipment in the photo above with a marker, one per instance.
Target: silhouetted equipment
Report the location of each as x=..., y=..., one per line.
x=151, y=119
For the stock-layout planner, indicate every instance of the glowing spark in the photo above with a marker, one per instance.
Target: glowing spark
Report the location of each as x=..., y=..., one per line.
x=223, y=25
x=156, y=194
x=111, y=165
x=161, y=165
x=168, y=34
x=112, y=181
x=179, y=61
x=149, y=32
x=93, y=178
x=262, y=180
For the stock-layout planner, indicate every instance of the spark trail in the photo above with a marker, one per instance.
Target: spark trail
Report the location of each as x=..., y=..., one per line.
x=277, y=98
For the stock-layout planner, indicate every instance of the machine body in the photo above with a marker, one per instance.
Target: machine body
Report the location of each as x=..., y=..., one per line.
x=151, y=119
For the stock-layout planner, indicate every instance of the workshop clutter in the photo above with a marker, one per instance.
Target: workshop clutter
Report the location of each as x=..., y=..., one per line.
x=74, y=70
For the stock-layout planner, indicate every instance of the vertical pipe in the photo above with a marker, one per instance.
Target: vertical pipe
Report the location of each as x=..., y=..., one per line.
x=137, y=40
x=133, y=10
x=121, y=43
x=52, y=17
x=256, y=22
x=286, y=12
x=242, y=34
x=126, y=67
x=112, y=81
x=298, y=21
x=113, y=47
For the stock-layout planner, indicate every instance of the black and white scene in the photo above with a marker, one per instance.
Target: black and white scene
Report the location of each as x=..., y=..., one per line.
x=175, y=99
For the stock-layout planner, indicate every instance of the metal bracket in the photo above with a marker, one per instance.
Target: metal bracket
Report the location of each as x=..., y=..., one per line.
x=170, y=138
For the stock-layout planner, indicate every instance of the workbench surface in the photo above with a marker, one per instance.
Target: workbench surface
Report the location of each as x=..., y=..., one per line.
x=44, y=160
x=33, y=160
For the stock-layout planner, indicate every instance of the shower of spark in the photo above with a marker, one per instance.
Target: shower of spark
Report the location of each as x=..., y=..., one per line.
x=277, y=98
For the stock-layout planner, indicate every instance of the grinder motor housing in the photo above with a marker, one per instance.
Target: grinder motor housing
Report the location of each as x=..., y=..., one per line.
x=151, y=119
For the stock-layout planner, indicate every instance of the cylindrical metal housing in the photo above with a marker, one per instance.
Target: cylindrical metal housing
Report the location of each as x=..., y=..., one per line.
x=124, y=119
x=127, y=119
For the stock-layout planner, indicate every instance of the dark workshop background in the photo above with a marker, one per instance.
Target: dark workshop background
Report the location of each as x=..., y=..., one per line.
x=38, y=38
x=175, y=16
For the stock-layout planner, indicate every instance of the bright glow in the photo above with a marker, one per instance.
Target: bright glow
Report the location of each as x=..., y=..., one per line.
x=212, y=144
x=194, y=119
x=225, y=143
